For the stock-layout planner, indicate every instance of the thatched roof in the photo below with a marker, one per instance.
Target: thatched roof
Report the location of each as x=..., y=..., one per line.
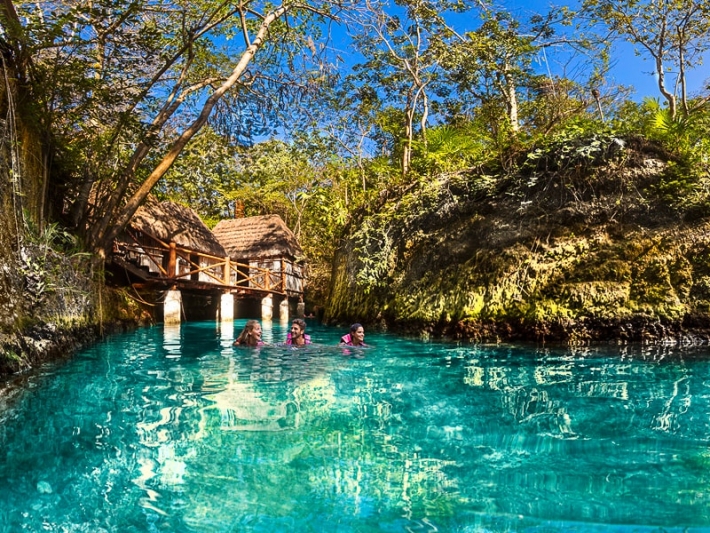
x=262, y=237
x=173, y=222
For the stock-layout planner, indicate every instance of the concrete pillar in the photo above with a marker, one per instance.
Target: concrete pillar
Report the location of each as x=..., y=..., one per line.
x=226, y=307
x=172, y=307
x=283, y=310
x=301, y=309
x=267, y=307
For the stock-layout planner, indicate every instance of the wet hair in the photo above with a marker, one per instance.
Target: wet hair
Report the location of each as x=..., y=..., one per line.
x=300, y=323
x=243, y=338
x=355, y=327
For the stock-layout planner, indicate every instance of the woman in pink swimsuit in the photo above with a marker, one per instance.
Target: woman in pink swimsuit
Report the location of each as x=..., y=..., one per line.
x=356, y=337
x=250, y=335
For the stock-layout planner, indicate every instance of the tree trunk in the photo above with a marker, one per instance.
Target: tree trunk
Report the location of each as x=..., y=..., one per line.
x=681, y=72
x=670, y=98
x=409, y=134
x=511, y=98
x=103, y=240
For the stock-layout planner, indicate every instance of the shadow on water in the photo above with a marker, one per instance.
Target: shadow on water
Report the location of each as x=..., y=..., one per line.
x=174, y=429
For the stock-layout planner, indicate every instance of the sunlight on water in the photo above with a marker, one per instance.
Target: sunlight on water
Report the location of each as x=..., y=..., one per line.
x=173, y=429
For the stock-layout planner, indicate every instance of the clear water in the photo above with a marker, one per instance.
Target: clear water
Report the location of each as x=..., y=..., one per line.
x=175, y=430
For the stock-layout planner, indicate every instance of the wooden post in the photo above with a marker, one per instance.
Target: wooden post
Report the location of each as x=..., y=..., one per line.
x=172, y=260
x=300, y=307
x=283, y=276
x=283, y=310
x=267, y=307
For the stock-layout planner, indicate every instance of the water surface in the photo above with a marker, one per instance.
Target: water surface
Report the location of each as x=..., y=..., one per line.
x=173, y=429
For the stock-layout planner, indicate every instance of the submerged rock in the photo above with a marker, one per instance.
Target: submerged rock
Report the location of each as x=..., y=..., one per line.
x=44, y=488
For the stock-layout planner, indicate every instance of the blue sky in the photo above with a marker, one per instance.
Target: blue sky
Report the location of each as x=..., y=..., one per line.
x=634, y=71
x=629, y=69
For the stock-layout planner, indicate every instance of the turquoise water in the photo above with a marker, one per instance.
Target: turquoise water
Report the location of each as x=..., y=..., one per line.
x=175, y=430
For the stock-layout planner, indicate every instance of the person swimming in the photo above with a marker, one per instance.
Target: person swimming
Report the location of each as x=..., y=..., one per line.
x=356, y=337
x=250, y=335
x=298, y=336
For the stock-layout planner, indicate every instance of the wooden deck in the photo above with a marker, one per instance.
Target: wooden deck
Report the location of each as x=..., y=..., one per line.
x=152, y=263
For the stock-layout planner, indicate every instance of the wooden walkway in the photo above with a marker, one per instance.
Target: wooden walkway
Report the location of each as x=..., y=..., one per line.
x=157, y=264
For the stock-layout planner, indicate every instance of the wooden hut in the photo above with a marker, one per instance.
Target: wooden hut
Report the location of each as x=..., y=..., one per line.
x=264, y=243
x=170, y=240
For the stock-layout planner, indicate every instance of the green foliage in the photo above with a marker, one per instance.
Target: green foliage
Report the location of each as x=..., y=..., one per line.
x=204, y=177
x=449, y=149
x=124, y=80
x=381, y=239
x=686, y=183
x=674, y=34
x=52, y=268
x=53, y=237
x=373, y=247
x=554, y=102
x=130, y=82
x=684, y=133
x=270, y=177
x=493, y=69
x=579, y=144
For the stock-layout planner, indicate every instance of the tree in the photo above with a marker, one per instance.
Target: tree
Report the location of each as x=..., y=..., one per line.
x=125, y=85
x=204, y=177
x=273, y=177
x=673, y=33
x=402, y=62
x=492, y=66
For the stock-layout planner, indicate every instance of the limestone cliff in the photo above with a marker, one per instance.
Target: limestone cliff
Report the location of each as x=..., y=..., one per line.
x=603, y=240
x=52, y=296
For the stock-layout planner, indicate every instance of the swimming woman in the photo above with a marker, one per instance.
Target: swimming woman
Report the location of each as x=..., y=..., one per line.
x=298, y=336
x=250, y=335
x=356, y=337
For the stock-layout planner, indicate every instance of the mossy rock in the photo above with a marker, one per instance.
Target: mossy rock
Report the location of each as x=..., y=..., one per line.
x=601, y=262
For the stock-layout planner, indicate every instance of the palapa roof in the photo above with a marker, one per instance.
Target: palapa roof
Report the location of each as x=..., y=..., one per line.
x=261, y=237
x=169, y=221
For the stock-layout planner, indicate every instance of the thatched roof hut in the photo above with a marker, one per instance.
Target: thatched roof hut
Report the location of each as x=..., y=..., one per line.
x=171, y=222
x=257, y=238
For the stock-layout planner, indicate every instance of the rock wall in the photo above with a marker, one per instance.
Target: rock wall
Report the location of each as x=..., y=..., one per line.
x=52, y=296
x=10, y=220
x=586, y=253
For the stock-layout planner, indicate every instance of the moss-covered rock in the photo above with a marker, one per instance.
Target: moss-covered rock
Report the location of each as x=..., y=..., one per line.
x=52, y=298
x=574, y=255
x=60, y=335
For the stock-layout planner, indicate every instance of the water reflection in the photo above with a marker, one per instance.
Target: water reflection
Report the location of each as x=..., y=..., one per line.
x=201, y=436
x=172, y=342
x=226, y=338
x=545, y=391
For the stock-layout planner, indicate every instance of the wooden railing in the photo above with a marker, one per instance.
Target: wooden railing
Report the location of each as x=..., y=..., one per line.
x=167, y=261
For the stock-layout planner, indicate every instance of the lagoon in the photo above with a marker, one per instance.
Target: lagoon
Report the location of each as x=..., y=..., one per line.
x=173, y=429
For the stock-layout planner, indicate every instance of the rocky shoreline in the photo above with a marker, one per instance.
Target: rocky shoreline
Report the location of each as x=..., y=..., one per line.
x=692, y=331
x=48, y=342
